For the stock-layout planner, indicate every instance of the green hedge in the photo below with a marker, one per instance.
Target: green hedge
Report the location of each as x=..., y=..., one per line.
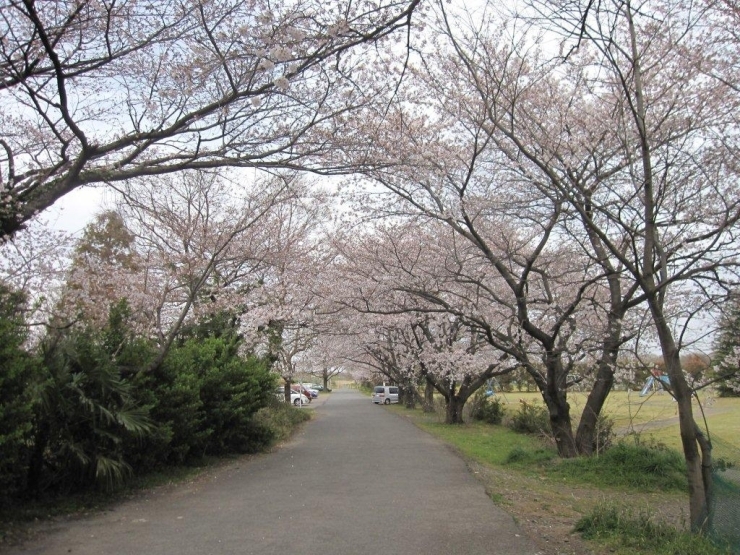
x=87, y=411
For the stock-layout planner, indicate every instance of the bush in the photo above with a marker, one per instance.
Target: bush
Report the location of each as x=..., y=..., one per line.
x=274, y=423
x=487, y=409
x=650, y=467
x=98, y=412
x=639, y=532
x=84, y=410
x=203, y=398
x=172, y=396
x=531, y=418
x=652, y=460
x=18, y=374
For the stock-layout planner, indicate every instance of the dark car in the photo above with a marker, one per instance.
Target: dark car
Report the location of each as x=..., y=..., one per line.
x=309, y=390
x=304, y=390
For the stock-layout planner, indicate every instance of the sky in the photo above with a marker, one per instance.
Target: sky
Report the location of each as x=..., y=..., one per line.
x=75, y=210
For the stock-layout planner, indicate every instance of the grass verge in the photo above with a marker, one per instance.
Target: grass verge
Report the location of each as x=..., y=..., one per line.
x=628, y=465
x=631, y=466
x=627, y=531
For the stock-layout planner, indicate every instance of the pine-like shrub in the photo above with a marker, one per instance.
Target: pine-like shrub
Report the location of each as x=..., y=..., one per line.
x=531, y=418
x=18, y=377
x=487, y=409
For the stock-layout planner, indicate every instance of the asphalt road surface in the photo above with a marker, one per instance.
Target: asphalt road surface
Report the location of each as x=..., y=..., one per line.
x=356, y=480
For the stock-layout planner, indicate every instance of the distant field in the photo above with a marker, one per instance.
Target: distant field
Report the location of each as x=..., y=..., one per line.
x=656, y=416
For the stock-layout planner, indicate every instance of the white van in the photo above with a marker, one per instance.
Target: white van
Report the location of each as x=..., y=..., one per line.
x=385, y=394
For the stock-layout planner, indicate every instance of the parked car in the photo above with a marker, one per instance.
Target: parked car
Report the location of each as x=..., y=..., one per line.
x=307, y=392
x=296, y=398
x=312, y=390
x=385, y=394
x=311, y=385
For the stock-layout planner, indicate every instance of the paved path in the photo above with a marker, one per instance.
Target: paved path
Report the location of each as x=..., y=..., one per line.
x=355, y=480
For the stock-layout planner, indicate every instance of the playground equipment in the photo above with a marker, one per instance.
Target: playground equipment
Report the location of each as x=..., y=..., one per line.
x=491, y=385
x=490, y=391
x=656, y=379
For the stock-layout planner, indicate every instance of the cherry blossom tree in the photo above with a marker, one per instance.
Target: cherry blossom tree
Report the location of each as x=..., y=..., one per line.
x=507, y=247
x=678, y=134
x=634, y=127
x=282, y=319
x=456, y=361
x=35, y=263
x=369, y=342
x=324, y=361
x=200, y=244
x=377, y=346
x=96, y=92
x=292, y=340
x=416, y=314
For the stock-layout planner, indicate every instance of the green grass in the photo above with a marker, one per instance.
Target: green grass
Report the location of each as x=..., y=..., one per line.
x=529, y=457
x=626, y=531
x=653, y=417
x=483, y=442
x=630, y=466
x=626, y=466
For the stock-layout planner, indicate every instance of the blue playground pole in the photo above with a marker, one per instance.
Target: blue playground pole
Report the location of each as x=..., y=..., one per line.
x=662, y=380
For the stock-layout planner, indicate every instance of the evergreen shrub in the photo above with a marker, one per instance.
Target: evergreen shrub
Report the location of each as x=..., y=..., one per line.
x=531, y=418
x=19, y=373
x=487, y=409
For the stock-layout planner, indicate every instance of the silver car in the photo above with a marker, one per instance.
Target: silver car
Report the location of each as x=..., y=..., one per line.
x=385, y=394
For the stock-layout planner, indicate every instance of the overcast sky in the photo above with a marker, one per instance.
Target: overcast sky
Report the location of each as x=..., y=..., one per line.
x=75, y=210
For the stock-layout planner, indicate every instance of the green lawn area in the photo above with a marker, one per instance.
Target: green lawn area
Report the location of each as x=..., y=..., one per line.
x=655, y=417
x=484, y=443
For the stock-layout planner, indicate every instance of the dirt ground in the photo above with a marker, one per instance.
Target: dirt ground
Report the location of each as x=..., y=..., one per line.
x=548, y=511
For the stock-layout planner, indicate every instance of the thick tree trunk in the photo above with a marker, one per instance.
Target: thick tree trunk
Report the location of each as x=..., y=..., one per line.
x=429, y=397
x=410, y=396
x=586, y=440
x=562, y=430
x=406, y=395
x=586, y=433
x=456, y=395
x=555, y=397
x=454, y=414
